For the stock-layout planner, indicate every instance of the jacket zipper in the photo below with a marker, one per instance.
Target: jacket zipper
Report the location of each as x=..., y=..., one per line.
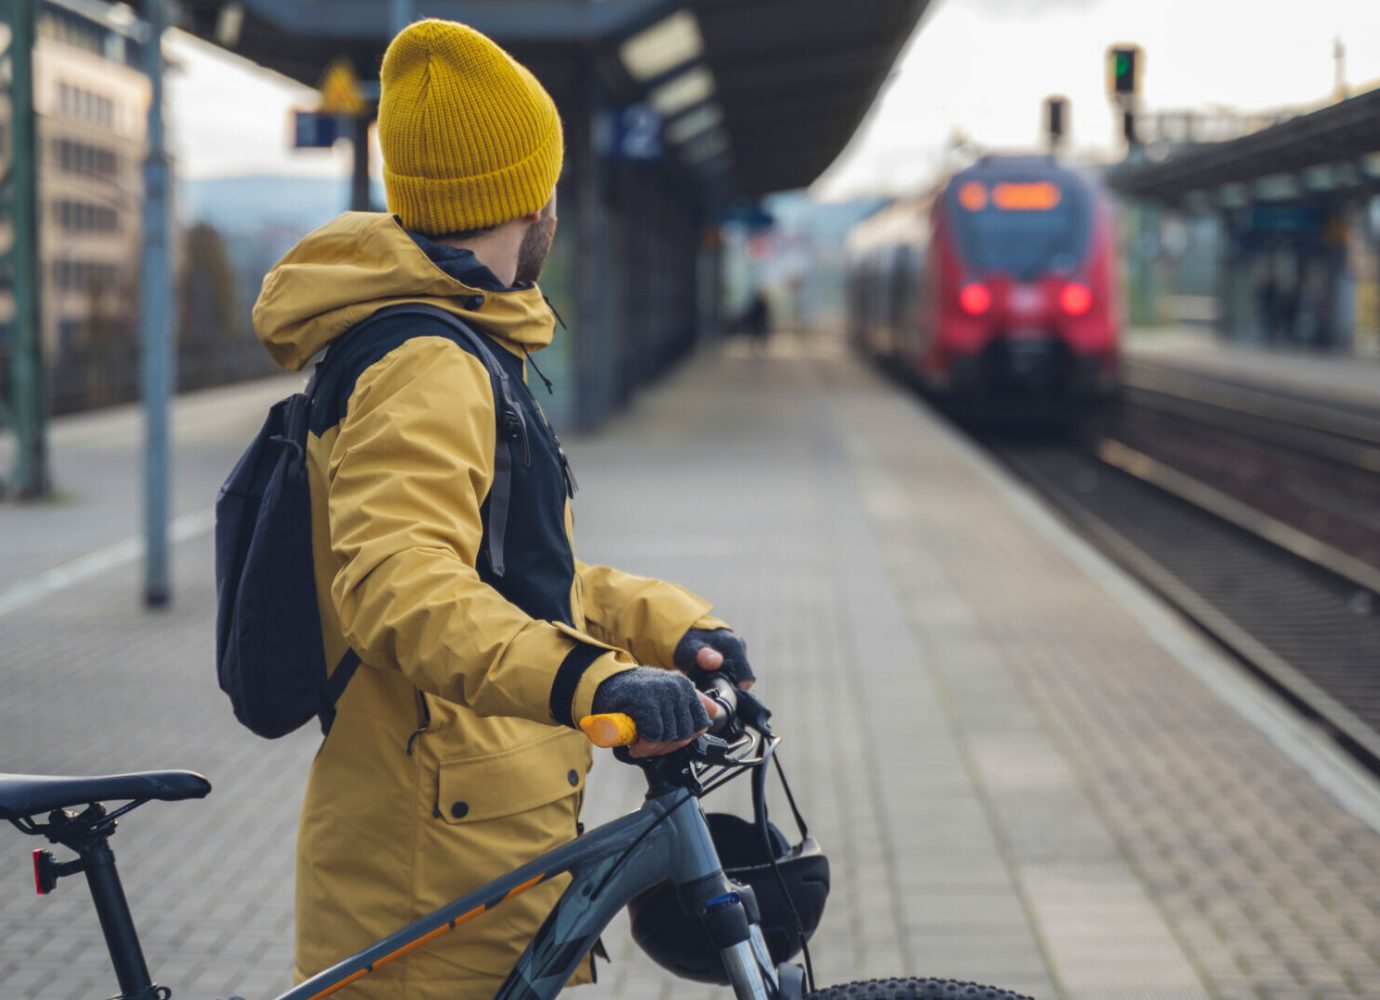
x=423, y=721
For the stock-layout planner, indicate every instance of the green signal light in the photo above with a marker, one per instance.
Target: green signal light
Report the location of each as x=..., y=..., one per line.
x=1123, y=63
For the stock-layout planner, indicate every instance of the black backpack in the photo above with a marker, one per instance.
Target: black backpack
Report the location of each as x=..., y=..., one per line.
x=270, y=658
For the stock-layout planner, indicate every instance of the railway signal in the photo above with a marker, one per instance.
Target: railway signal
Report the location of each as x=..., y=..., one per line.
x=1124, y=65
x=1056, y=121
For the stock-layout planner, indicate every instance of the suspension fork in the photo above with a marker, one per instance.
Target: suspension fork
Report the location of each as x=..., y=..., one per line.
x=729, y=915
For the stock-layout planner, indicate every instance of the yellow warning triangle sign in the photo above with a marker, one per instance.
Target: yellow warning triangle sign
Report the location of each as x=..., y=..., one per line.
x=340, y=93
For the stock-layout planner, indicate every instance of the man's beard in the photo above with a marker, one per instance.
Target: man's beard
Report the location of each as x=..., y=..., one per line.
x=536, y=244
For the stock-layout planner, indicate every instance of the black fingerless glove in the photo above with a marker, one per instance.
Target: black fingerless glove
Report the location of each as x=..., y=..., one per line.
x=735, y=666
x=664, y=704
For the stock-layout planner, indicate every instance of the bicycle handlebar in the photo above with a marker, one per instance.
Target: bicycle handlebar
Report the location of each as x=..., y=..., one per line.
x=609, y=730
x=614, y=729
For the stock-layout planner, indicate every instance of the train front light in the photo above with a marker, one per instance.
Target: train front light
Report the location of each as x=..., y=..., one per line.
x=975, y=298
x=1075, y=299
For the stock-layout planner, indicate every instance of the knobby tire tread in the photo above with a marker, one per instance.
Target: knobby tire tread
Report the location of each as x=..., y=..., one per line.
x=914, y=989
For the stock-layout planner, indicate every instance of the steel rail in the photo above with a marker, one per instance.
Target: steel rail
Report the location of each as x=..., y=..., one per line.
x=1311, y=427
x=1259, y=524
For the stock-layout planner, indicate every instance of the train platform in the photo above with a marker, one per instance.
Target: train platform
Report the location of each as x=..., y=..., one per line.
x=1025, y=770
x=1345, y=379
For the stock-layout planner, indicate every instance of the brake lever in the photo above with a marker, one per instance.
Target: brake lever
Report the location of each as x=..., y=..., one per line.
x=714, y=750
x=752, y=712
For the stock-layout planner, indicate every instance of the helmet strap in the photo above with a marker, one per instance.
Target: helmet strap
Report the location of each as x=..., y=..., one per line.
x=759, y=809
x=790, y=799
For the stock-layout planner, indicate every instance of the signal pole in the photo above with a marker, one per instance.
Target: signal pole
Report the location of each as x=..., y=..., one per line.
x=1141, y=235
x=155, y=294
x=20, y=198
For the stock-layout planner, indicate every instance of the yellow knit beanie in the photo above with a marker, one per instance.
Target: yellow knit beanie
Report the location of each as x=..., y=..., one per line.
x=470, y=138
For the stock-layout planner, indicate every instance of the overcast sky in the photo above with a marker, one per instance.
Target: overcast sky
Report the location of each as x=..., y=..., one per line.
x=982, y=66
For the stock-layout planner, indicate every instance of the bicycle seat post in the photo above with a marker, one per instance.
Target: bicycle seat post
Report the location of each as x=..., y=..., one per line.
x=117, y=923
x=89, y=835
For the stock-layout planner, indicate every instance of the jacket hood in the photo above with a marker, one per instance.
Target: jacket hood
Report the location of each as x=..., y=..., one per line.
x=355, y=265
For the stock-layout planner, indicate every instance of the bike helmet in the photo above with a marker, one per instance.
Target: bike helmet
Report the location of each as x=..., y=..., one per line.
x=679, y=942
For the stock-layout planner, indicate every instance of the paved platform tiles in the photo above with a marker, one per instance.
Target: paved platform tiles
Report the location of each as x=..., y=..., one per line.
x=1016, y=771
x=1349, y=379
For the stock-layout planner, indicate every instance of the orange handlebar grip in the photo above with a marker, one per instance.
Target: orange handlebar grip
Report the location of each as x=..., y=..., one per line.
x=610, y=730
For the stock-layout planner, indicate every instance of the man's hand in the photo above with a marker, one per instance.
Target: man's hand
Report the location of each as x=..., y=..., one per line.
x=667, y=709
x=703, y=654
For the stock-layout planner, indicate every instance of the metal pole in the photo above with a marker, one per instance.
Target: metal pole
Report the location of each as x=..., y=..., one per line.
x=155, y=326
x=400, y=15
x=30, y=380
x=361, y=199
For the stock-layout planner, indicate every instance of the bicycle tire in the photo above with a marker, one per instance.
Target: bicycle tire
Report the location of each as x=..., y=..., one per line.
x=914, y=989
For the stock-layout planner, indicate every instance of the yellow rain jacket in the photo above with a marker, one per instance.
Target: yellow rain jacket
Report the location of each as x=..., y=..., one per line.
x=445, y=766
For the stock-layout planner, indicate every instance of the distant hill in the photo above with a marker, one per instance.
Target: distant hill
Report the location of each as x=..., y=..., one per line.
x=243, y=205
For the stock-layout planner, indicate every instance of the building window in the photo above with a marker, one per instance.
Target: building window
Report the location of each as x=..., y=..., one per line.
x=85, y=275
x=80, y=158
x=84, y=217
x=77, y=102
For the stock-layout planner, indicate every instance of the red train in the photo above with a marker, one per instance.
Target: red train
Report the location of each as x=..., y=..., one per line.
x=1001, y=285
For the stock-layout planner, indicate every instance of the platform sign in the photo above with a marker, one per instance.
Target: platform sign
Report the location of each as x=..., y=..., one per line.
x=1285, y=219
x=340, y=90
x=749, y=214
x=314, y=130
x=636, y=134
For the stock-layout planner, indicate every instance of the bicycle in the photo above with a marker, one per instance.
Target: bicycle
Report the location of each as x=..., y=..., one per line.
x=666, y=840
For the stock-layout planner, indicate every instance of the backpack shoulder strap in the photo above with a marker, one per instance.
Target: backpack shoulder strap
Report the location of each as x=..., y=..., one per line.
x=325, y=389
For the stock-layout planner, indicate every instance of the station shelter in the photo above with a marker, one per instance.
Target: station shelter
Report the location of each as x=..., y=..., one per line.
x=1297, y=206
x=674, y=111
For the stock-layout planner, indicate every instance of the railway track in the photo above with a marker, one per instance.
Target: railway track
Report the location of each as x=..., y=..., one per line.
x=1256, y=514
x=1344, y=432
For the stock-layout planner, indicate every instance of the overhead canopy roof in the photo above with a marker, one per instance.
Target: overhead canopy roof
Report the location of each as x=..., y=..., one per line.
x=793, y=77
x=1342, y=133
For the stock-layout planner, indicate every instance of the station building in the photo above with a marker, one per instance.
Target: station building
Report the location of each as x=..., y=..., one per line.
x=91, y=104
x=1296, y=212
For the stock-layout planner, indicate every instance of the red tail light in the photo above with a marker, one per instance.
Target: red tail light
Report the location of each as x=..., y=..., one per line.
x=975, y=298
x=1075, y=299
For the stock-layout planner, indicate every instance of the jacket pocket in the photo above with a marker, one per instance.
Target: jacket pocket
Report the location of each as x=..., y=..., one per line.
x=477, y=789
x=496, y=811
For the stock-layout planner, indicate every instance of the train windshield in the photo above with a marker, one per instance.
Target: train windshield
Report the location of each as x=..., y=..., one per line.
x=1021, y=227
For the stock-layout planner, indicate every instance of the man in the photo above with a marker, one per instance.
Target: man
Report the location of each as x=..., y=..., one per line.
x=454, y=755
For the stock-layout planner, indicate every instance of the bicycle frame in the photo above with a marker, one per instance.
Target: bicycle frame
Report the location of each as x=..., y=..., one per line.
x=667, y=838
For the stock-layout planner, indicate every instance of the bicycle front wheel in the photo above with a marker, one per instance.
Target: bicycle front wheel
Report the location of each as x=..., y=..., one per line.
x=914, y=989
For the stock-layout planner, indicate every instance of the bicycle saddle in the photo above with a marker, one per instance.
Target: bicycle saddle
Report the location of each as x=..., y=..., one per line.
x=30, y=794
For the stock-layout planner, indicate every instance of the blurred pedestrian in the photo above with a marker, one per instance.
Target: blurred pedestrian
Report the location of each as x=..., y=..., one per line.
x=756, y=320
x=454, y=756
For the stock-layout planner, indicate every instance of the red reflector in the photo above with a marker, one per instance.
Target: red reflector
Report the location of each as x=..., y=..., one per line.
x=38, y=873
x=1075, y=299
x=975, y=299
